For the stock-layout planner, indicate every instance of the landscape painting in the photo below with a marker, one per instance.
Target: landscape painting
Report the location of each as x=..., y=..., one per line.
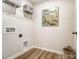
x=50, y=17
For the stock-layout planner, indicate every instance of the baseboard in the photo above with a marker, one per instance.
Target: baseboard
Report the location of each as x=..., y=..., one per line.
x=50, y=50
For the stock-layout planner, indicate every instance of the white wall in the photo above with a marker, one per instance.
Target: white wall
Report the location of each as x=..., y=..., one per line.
x=12, y=44
x=54, y=37
x=8, y=9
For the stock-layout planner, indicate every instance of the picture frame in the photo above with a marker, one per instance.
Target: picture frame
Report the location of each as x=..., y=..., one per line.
x=50, y=17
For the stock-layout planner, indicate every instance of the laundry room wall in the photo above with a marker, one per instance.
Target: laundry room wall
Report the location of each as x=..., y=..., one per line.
x=55, y=37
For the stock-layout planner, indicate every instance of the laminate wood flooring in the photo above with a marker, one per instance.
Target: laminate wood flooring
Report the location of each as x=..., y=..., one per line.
x=35, y=53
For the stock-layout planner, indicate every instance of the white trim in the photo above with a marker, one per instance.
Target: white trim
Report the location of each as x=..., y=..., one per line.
x=50, y=50
x=26, y=49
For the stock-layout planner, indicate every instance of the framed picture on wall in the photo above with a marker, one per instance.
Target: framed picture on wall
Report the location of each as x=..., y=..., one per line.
x=50, y=17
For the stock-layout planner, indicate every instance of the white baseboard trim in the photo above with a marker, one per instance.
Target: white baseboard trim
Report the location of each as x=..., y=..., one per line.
x=50, y=50
x=26, y=49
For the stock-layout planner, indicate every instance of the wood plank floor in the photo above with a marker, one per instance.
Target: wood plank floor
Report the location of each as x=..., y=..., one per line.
x=35, y=53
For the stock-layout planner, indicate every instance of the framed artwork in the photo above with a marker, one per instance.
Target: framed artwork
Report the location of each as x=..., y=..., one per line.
x=50, y=17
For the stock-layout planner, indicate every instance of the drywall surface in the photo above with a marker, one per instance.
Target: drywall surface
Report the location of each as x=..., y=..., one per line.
x=8, y=9
x=11, y=42
x=53, y=37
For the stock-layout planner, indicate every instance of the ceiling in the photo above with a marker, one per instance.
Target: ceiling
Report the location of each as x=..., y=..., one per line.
x=37, y=1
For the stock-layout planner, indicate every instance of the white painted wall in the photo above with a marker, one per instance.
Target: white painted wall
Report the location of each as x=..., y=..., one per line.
x=55, y=38
x=8, y=9
x=12, y=44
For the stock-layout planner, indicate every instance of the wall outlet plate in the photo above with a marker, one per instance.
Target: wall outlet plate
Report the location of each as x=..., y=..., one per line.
x=20, y=35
